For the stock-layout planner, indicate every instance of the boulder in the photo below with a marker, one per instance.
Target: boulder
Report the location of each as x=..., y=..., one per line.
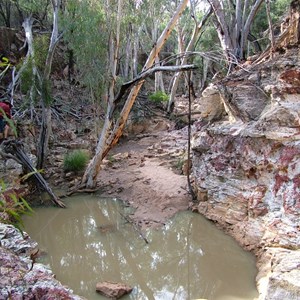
x=210, y=104
x=113, y=290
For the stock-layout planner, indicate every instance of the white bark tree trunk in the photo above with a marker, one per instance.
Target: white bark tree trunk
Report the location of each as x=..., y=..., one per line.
x=233, y=42
x=135, y=55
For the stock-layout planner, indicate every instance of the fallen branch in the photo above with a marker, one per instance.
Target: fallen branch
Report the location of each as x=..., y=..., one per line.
x=78, y=190
x=149, y=72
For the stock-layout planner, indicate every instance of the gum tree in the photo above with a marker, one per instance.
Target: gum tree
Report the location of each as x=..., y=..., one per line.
x=232, y=22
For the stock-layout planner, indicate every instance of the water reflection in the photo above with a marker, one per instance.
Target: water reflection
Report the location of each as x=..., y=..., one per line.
x=189, y=258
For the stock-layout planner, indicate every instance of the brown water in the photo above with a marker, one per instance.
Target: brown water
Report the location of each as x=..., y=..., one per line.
x=189, y=258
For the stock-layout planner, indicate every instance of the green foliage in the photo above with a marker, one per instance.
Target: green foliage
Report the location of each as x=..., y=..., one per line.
x=260, y=24
x=33, y=6
x=12, y=207
x=159, y=97
x=75, y=161
x=27, y=77
x=86, y=33
x=111, y=158
x=40, y=45
x=209, y=39
x=179, y=163
x=46, y=92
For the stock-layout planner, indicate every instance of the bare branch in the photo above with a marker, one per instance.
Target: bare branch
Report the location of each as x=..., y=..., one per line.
x=149, y=72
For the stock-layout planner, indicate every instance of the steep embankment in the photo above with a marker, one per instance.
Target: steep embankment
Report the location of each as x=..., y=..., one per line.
x=246, y=162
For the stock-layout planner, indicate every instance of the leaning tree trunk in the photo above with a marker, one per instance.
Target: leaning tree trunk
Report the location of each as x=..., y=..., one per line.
x=222, y=28
x=105, y=144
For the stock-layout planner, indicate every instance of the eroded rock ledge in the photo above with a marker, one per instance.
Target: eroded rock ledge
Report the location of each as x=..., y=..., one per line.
x=246, y=164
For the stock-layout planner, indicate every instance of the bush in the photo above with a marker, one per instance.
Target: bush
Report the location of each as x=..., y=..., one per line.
x=12, y=207
x=76, y=161
x=159, y=97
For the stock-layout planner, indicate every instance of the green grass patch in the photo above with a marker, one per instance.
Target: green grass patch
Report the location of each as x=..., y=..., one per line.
x=76, y=161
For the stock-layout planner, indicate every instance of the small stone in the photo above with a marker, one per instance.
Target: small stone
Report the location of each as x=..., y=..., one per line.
x=69, y=175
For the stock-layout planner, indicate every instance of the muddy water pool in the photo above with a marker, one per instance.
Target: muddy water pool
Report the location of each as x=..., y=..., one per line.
x=189, y=258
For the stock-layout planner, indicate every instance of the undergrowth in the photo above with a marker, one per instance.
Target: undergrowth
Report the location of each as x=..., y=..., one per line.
x=159, y=97
x=12, y=207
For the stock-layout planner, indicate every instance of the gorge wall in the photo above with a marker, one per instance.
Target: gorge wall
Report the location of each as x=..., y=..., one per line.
x=246, y=160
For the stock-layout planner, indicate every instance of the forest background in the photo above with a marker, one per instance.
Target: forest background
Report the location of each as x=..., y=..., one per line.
x=110, y=47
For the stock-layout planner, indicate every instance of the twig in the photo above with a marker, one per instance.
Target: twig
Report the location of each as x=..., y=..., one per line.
x=135, y=227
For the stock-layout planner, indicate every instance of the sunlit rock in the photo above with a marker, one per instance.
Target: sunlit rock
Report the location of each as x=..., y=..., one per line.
x=113, y=290
x=210, y=104
x=279, y=275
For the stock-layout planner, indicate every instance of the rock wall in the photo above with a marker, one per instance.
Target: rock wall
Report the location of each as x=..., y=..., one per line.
x=20, y=277
x=246, y=166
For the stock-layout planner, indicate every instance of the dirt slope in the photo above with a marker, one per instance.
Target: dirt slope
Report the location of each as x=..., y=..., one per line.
x=144, y=173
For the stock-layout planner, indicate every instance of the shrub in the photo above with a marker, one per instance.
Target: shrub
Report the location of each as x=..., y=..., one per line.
x=12, y=207
x=159, y=97
x=76, y=161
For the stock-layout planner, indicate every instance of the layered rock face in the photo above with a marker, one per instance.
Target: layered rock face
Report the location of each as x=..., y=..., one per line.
x=246, y=165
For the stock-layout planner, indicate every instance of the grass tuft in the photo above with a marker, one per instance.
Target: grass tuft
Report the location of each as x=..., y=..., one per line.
x=76, y=161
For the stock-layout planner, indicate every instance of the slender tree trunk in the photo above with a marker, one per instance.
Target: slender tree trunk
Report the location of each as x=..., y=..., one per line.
x=113, y=54
x=135, y=55
x=222, y=28
x=175, y=80
x=268, y=9
x=128, y=56
x=105, y=144
x=159, y=83
x=238, y=28
x=243, y=36
x=27, y=25
x=202, y=83
x=197, y=30
x=248, y=23
x=43, y=141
